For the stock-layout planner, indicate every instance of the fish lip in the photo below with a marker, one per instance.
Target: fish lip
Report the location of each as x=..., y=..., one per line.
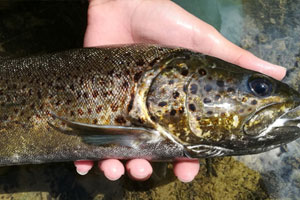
x=281, y=122
x=254, y=113
x=296, y=105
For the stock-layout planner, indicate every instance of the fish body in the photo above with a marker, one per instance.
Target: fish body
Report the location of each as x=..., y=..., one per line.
x=144, y=101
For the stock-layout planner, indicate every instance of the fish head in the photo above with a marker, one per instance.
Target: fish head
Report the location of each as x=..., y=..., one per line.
x=236, y=111
x=214, y=108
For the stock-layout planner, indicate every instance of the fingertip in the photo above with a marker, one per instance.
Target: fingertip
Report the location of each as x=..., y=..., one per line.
x=186, y=171
x=113, y=169
x=83, y=166
x=279, y=73
x=139, y=169
x=252, y=62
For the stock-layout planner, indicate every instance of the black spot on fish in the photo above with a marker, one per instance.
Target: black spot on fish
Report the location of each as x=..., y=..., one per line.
x=181, y=110
x=141, y=121
x=95, y=121
x=57, y=103
x=89, y=111
x=68, y=102
x=175, y=94
x=207, y=88
x=127, y=72
x=220, y=83
x=194, y=88
x=120, y=119
x=162, y=104
x=137, y=76
x=30, y=92
x=253, y=102
x=98, y=109
x=192, y=107
x=206, y=100
x=85, y=95
x=130, y=104
x=171, y=82
x=111, y=72
x=125, y=85
x=173, y=112
x=217, y=97
x=160, y=49
x=39, y=94
x=230, y=89
x=184, y=72
x=209, y=112
x=114, y=107
x=185, y=88
x=80, y=111
x=244, y=99
x=78, y=94
x=95, y=93
x=153, y=118
x=118, y=75
x=140, y=62
x=72, y=113
x=153, y=61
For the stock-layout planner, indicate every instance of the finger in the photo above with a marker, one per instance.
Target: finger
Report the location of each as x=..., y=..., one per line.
x=186, y=171
x=226, y=50
x=113, y=169
x=139, y=169
x=171, y=25
x=83, y=166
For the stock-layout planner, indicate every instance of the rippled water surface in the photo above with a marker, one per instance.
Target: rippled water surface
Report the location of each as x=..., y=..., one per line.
x=269, y=29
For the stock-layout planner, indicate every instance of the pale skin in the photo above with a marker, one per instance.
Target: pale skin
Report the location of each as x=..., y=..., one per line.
x=161, y=22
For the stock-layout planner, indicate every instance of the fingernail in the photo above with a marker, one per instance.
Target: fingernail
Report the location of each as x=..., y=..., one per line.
x=187, y=178
x=83, y=166
x=81, y=172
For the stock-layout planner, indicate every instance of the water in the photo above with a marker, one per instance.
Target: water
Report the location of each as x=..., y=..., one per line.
x=269, y=29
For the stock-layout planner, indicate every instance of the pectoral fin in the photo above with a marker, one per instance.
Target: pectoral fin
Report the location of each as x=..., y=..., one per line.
x=106, y=134
x=206, y=151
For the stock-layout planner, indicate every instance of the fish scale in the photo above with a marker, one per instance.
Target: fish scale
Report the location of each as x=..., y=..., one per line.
x=140, y=100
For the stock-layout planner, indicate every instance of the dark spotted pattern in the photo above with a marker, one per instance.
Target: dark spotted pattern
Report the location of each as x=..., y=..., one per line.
x=192, y=107
x=194, y=88
x=162, y=104
x=184, y=96
x=90, y=85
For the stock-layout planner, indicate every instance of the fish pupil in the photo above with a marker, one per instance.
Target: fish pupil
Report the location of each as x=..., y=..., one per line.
x=260, y=87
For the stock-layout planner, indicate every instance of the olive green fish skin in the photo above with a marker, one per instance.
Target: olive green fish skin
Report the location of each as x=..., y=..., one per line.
x=186, y=103
x=93, y=85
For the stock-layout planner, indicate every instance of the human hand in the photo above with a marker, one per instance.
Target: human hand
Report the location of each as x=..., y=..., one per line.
x=161, y=22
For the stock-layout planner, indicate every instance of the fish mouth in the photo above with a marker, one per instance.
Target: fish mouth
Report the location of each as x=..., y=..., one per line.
x=283, y=127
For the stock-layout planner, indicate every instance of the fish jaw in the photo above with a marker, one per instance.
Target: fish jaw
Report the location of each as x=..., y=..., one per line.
x=284, y=128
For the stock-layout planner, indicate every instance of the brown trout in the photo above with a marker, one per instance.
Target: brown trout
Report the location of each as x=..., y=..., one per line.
x=139, y=101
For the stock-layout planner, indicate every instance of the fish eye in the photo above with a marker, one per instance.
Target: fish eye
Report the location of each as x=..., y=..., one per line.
x=260, y=86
